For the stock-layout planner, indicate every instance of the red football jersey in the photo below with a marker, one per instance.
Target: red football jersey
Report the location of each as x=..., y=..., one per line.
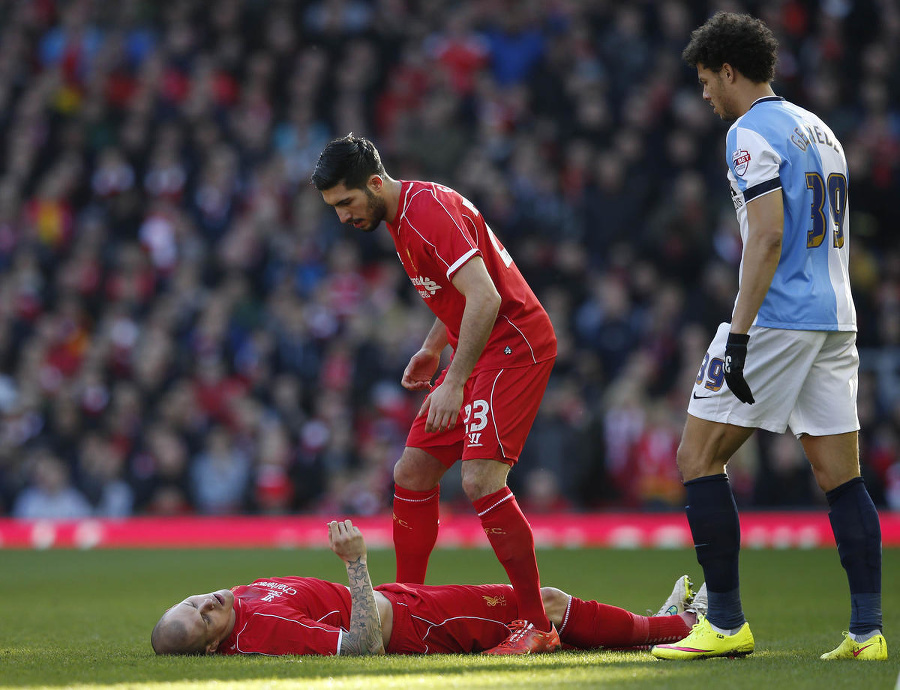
x=305, y=615
x=288, y=615
x=437, y=231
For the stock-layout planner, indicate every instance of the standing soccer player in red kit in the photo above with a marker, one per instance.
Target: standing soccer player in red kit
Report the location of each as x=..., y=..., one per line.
x=503, y=350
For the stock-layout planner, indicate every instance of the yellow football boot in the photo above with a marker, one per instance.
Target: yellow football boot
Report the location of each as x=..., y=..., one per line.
x=873, y=649
x=704, y=642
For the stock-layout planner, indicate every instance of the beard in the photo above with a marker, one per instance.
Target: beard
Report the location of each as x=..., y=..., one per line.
x=725, y=108
x=726, y=114
x=376, y=210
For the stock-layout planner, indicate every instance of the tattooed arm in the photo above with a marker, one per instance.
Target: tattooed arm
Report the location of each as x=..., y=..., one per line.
x=365, y=635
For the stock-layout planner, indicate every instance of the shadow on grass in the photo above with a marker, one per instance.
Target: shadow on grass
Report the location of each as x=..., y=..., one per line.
x=780, y=668
x=29, y=667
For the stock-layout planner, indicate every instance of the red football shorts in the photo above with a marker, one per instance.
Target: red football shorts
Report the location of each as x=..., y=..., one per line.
x=499, y=407
x=449, y=619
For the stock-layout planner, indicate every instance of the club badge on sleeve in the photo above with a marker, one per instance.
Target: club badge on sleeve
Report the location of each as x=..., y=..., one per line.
x=740, y=159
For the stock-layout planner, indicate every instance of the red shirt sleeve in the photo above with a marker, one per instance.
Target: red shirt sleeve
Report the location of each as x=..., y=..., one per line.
x=436, y=217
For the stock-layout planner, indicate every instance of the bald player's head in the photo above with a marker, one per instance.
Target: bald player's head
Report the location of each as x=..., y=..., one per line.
x=197, y=625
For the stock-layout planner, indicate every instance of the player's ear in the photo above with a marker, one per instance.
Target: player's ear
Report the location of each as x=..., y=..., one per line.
x=211, y=647
x=727, y=72
x=375, y=183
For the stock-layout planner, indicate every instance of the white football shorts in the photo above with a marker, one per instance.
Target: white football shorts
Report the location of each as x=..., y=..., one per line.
x=807, y=380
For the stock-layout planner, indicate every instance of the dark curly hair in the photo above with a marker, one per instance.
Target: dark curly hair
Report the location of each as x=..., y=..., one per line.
x=744, y=42
x=349, y=159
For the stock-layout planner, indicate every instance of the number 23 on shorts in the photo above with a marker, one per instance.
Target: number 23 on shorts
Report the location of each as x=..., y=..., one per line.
x=475, y=417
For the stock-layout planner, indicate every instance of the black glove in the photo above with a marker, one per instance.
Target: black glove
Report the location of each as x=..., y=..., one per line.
x=735, y=355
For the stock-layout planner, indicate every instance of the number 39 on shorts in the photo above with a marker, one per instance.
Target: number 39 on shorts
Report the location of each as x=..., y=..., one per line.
x=713, y=370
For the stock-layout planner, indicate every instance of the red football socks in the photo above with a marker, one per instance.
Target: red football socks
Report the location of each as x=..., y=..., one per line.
x=510, y=535
x=415, y=527
x=590, y=624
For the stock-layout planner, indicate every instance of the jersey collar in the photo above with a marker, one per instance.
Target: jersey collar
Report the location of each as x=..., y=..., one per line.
x=766, y=98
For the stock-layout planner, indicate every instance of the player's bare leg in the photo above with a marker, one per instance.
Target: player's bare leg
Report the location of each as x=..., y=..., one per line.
x=834, y=459
x=707, y=446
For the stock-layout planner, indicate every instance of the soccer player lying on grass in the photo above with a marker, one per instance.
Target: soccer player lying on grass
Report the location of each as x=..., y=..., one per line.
x=303, y=615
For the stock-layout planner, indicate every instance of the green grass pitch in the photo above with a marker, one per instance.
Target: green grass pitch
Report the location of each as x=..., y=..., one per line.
x=82, y=619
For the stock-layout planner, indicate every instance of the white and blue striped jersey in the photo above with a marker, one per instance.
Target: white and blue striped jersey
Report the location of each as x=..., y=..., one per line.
x=777, y=146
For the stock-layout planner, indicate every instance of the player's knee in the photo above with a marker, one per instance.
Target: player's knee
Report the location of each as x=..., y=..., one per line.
x=824, y=480
x=693, y=464
x=481, y=478
x=685, y=463
x=473, y=488
x=555, y=603
x=402, y=475
x=415, y=476
x=829, y=478
x=478, y=486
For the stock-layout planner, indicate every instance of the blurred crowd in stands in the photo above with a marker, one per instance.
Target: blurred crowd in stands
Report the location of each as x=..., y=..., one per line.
x=185, y=328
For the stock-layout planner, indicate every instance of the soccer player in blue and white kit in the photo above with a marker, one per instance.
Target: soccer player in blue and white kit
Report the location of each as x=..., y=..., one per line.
x=788, y=357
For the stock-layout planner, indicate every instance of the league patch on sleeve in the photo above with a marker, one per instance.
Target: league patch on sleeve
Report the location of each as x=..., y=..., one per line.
x=740, y=159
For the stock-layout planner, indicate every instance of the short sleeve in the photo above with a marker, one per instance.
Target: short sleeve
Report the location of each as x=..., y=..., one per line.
x=443, y=228
x=753, y=163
